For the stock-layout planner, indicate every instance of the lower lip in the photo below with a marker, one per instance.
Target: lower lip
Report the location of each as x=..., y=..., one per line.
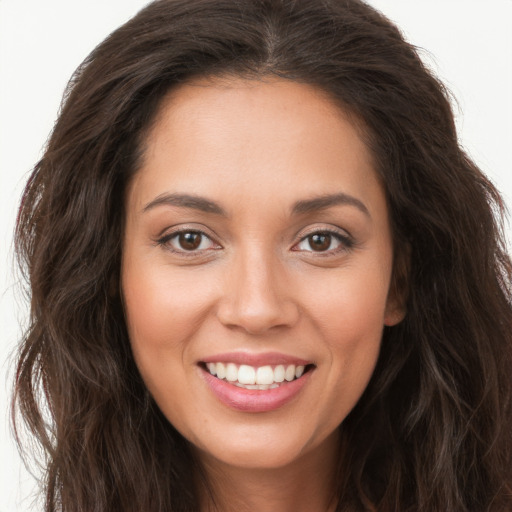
x=254, y=400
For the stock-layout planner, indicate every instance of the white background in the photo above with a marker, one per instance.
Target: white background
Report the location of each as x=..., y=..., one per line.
x=469, y=45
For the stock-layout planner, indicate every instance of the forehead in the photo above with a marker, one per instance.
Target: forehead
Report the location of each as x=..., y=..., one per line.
x=249, y=135
x=255, y=105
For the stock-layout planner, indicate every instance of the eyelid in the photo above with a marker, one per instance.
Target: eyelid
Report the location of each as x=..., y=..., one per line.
x=323, y=228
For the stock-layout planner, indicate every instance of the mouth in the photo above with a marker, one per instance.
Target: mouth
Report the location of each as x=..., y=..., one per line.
x=256, y=384
x=259, y=378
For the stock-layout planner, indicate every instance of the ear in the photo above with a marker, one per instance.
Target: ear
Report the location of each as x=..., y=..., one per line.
x=394, y=314
x=396, y=305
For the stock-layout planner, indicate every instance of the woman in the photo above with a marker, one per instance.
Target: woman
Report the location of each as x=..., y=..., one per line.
x=264, y=275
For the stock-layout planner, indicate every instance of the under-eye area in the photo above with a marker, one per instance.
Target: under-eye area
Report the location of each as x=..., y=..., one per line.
x=256, y=377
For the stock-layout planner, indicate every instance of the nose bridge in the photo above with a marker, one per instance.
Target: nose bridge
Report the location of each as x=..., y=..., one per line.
x=255, y=298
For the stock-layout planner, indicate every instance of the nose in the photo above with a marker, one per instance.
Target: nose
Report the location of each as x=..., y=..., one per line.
x=256, y=296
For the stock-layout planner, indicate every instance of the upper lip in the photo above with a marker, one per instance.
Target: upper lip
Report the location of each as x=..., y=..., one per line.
x=256, y=359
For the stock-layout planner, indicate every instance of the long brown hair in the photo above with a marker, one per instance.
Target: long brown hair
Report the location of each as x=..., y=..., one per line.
x=433, y=430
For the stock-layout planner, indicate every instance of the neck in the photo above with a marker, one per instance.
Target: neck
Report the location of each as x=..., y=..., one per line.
x=308, y=483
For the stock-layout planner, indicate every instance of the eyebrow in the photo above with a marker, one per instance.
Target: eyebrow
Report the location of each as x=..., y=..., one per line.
x=185, y=201
x=300, y=207
x=327, y=201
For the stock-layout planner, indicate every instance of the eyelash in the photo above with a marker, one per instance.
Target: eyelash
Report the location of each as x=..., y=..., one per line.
x=345, y=241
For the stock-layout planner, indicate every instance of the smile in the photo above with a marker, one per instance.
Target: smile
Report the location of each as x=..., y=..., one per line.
x=261, y=378
x=254, y=384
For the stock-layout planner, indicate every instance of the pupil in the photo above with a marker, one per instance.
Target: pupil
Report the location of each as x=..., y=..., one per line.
x=320, y=242
x=190, y=241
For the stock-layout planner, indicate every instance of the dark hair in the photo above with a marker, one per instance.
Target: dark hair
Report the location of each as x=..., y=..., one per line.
x=433, y=430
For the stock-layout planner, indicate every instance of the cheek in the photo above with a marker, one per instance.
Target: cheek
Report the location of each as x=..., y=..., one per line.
x=163, y=313
x=349, y=315
x=353, y=336
x=351, y=306
x=162, y=308
x=162, y=316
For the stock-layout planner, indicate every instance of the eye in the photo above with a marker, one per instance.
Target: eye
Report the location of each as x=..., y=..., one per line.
x=187, y=241
x=324, y=241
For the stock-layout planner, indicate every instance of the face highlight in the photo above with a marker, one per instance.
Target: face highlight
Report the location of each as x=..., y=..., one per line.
x=256, y=268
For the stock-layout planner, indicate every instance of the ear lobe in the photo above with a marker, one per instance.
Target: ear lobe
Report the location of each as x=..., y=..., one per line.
x=394, y=315
x=399, y=288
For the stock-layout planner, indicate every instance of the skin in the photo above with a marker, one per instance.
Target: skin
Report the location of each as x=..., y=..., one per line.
x=255, y=284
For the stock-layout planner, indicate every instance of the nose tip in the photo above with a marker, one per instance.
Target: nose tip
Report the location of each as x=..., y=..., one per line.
x=257, y=300
x=256, y=317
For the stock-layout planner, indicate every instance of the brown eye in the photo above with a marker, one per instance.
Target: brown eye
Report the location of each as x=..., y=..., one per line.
x=188, y=243
x=189, y=240
x=320, y=241
x=324, y=242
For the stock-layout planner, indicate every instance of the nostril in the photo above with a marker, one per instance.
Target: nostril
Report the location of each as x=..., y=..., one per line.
x=256, y=309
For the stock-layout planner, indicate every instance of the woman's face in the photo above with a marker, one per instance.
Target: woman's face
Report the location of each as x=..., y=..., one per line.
x=257, y=247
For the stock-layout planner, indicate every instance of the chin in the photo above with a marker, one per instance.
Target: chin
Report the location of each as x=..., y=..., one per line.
x=265, y=450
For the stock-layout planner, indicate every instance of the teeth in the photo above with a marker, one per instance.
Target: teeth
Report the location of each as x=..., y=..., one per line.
x=246, y=375
x=263, y=377
x=289, y=374
x=231, y=372
x=279, y=373
x=221, y=370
